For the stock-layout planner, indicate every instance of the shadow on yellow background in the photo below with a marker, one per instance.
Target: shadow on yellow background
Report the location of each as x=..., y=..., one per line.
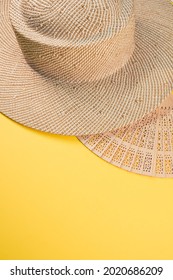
x=60, y=201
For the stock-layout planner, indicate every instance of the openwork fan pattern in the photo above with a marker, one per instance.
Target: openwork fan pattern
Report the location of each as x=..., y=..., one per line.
x=145, y=148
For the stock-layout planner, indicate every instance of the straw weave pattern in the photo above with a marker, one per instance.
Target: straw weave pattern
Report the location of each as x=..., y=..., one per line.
x=37, y=92
x=57, y=45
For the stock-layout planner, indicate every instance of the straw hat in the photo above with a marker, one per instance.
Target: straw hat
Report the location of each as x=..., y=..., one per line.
x=84, y=67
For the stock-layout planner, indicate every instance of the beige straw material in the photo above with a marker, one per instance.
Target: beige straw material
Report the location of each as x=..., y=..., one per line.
x=84, y=67
x=145, y=148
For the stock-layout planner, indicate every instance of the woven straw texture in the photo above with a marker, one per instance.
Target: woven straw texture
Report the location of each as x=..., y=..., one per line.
x=145, y=148
x=84, y=67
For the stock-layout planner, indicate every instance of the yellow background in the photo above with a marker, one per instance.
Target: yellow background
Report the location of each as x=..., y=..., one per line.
x=60, y=201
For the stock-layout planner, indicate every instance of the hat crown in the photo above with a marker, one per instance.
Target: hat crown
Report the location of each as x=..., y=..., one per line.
x=76, y=20
x=75, y=39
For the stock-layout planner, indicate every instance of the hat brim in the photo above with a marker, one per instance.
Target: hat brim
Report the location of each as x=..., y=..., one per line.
x=145, y=148
x=91, y=107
